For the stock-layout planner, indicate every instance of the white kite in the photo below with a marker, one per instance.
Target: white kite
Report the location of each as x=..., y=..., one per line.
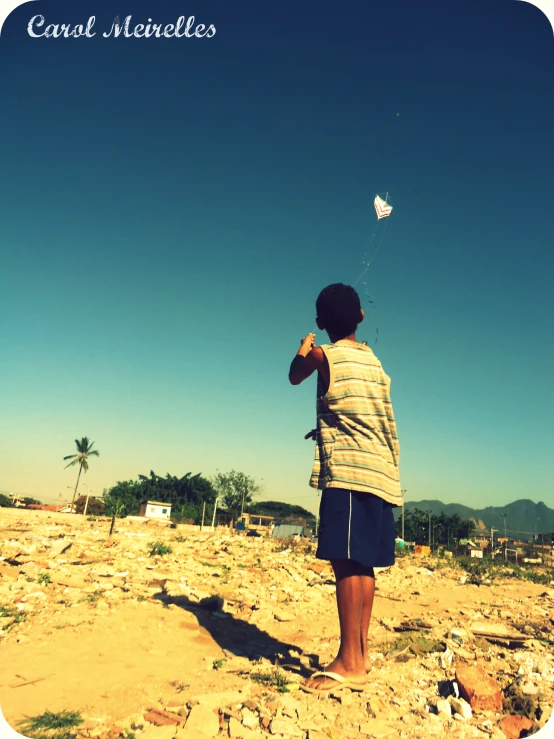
x=382, y=208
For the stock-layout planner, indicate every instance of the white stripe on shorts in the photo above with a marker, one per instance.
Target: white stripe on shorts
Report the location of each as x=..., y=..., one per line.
x=349, y=522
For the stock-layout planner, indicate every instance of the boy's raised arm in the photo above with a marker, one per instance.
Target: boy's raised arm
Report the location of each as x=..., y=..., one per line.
x=308, y=359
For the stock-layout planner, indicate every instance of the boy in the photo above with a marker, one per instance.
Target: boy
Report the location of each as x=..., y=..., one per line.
x=356, y=467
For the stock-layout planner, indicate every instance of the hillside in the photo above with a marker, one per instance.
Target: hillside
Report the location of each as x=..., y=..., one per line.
x=282, y=512
x=522, y=516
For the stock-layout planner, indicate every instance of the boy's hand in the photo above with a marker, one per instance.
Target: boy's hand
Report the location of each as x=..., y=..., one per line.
x=306, y=345
x=308, y=359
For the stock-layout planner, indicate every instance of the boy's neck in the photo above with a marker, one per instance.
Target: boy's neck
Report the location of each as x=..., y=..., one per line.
x=333, y=339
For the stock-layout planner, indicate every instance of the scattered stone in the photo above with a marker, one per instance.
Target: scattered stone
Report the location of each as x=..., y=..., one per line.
x=160, y=718
x=237, y=730
x=479, y=690
x=317, y=734
x=287, y=728
x=222, y=576
x=249, y=718
x=203, y=720
x=444, y=707
x=60, y=546
x=461, y=707
x=516, y=726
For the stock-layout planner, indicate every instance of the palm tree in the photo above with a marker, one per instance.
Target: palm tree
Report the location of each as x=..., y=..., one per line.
x=84, y=452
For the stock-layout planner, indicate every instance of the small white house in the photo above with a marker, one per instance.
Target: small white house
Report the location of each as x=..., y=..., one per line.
x=155, y=509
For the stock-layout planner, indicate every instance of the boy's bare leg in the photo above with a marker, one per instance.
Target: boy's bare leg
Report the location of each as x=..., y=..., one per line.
x=368, y=593
x=349, y=662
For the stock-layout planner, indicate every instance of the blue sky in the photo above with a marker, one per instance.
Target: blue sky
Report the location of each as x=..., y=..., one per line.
x=171, y=209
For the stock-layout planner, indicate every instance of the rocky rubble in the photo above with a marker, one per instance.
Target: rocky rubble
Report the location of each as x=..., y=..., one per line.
x=447, y=656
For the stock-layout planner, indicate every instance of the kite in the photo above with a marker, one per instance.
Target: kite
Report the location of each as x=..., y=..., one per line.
x=382, y=208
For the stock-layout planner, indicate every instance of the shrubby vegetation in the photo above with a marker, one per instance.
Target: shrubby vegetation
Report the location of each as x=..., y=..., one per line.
x=186, y=494
x=95, y=507
x=235, y=491
x=446, y=531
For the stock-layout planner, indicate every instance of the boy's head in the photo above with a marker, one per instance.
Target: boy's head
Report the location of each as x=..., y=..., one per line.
x=338, y=311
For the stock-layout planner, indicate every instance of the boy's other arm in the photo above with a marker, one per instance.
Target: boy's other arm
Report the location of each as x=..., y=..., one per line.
x=308, y=359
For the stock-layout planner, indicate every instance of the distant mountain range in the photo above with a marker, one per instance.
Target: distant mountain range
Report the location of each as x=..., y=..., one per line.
x=522, y=516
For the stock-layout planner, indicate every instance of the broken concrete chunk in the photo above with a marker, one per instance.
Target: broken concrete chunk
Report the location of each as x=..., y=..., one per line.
x=478, y=689
x=202, y=719
x=461, y=707
x=60, y=546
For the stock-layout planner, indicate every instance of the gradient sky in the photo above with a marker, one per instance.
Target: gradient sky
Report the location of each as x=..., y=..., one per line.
x=171, y=208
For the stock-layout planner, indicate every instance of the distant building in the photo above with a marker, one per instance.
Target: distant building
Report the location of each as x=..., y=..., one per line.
x=51, y=508
x=286, y=530
x=155, y=509
x=262, y=524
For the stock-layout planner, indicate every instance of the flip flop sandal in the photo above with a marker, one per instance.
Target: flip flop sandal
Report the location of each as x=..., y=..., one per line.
x=342, y=683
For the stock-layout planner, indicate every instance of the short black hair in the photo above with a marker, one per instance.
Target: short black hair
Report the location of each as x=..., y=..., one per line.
x=338, y=307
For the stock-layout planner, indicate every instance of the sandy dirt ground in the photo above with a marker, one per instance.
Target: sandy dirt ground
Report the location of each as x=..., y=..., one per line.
x=94, y=624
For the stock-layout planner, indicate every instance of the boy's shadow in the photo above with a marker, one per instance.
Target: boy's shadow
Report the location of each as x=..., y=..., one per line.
x=238, y=637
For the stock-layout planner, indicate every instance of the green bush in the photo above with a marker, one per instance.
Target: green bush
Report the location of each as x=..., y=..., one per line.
x=36, y=726
x=158, y=549
x=5, y=502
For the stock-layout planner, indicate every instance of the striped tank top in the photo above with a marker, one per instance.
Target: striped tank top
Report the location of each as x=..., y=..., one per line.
x=357, y=445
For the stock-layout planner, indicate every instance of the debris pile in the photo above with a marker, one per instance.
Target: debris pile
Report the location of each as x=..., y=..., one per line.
x=447, y=656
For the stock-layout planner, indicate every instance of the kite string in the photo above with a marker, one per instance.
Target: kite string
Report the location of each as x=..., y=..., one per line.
x=367, y=266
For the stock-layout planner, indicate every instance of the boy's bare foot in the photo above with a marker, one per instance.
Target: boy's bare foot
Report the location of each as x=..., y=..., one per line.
x=358, y=675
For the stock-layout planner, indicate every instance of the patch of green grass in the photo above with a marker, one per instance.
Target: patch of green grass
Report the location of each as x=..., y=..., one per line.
x=218, y=663
x=180, y=538
x=44, y=578
x=491, y=569
x=11, y=612
x=30, y=579
x=159, y=549
x=93, y=598
x=129, y=734
x=207, y=564
x=140, y=598
x=526, y=573
x=274, y=679
x=36, y=726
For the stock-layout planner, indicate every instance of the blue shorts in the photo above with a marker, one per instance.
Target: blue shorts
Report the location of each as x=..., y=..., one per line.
x=356, y=526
